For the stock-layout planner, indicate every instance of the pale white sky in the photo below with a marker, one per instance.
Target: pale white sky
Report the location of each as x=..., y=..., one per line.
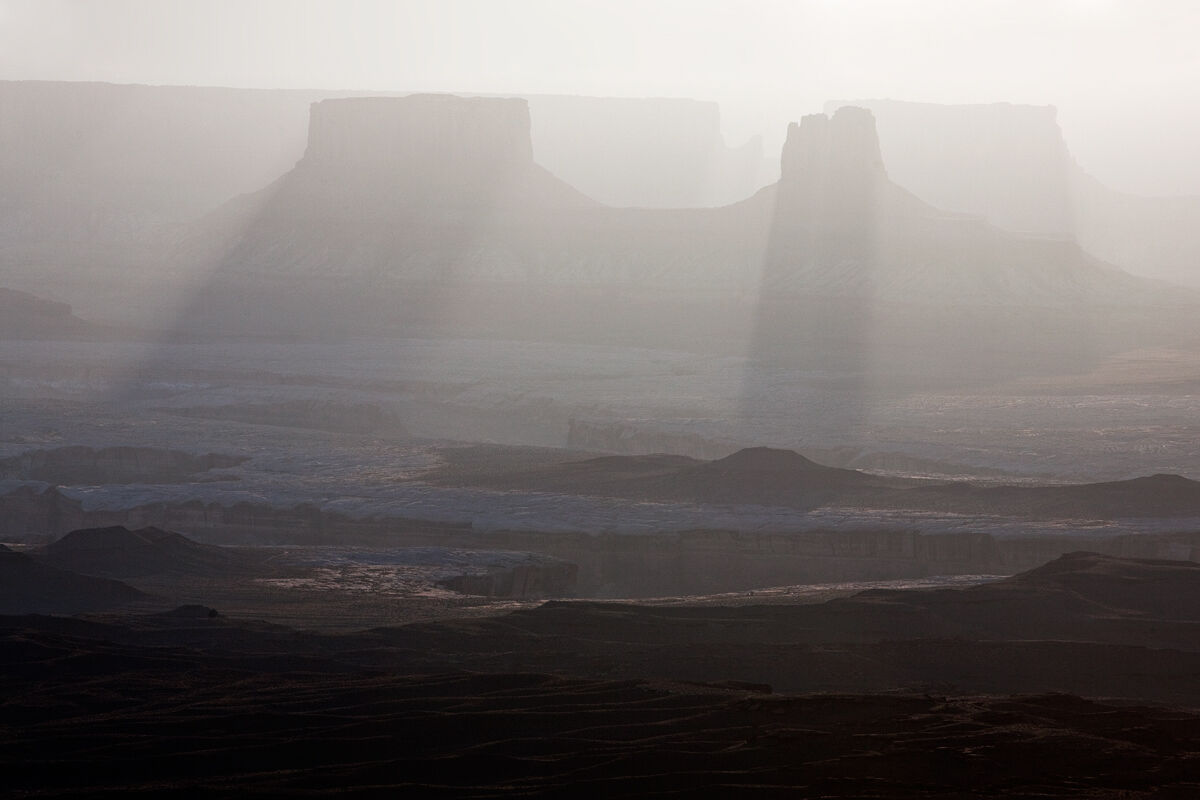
x=1125, y=74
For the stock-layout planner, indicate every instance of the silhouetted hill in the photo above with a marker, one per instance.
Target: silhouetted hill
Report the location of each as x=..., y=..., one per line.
x=1085, y=624
x=765, y=459
x=1101, y=628
x=758, y=475
x=122, y=553
x=28, y=586
x=769, y=476
x=1077, y=597
x=1146, y=588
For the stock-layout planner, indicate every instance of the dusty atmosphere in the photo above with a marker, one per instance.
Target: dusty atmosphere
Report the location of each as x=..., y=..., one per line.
x=463, y=399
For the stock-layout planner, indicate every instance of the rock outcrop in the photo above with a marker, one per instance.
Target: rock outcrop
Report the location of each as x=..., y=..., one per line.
x=784, y=478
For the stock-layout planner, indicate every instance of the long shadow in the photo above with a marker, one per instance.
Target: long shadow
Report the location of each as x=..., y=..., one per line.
x=371, y=236
x=813, y=356
x=428, y=217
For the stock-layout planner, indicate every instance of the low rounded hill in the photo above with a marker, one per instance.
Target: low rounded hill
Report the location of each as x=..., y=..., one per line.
x=121, y=553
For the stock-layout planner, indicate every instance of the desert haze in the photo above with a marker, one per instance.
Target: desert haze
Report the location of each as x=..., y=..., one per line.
x=468, y=399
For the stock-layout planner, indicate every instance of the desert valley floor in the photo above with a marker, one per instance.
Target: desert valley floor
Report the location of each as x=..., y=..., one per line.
x=258, y=575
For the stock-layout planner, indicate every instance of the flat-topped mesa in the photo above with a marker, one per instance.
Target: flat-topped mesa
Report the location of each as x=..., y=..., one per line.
x=420, y=141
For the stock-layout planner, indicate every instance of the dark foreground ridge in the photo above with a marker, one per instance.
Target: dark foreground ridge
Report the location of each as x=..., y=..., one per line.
x=977, y=692
x=27, y=585
x=483, y=736
x=1086, y=624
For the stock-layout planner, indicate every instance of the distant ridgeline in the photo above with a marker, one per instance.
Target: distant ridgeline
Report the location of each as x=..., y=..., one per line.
x=1010, y=165
x=429, y=213
x=488, y=217
x=107, y=165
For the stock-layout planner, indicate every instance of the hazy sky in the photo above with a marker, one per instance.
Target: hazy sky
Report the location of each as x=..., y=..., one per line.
x=1124, y=75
